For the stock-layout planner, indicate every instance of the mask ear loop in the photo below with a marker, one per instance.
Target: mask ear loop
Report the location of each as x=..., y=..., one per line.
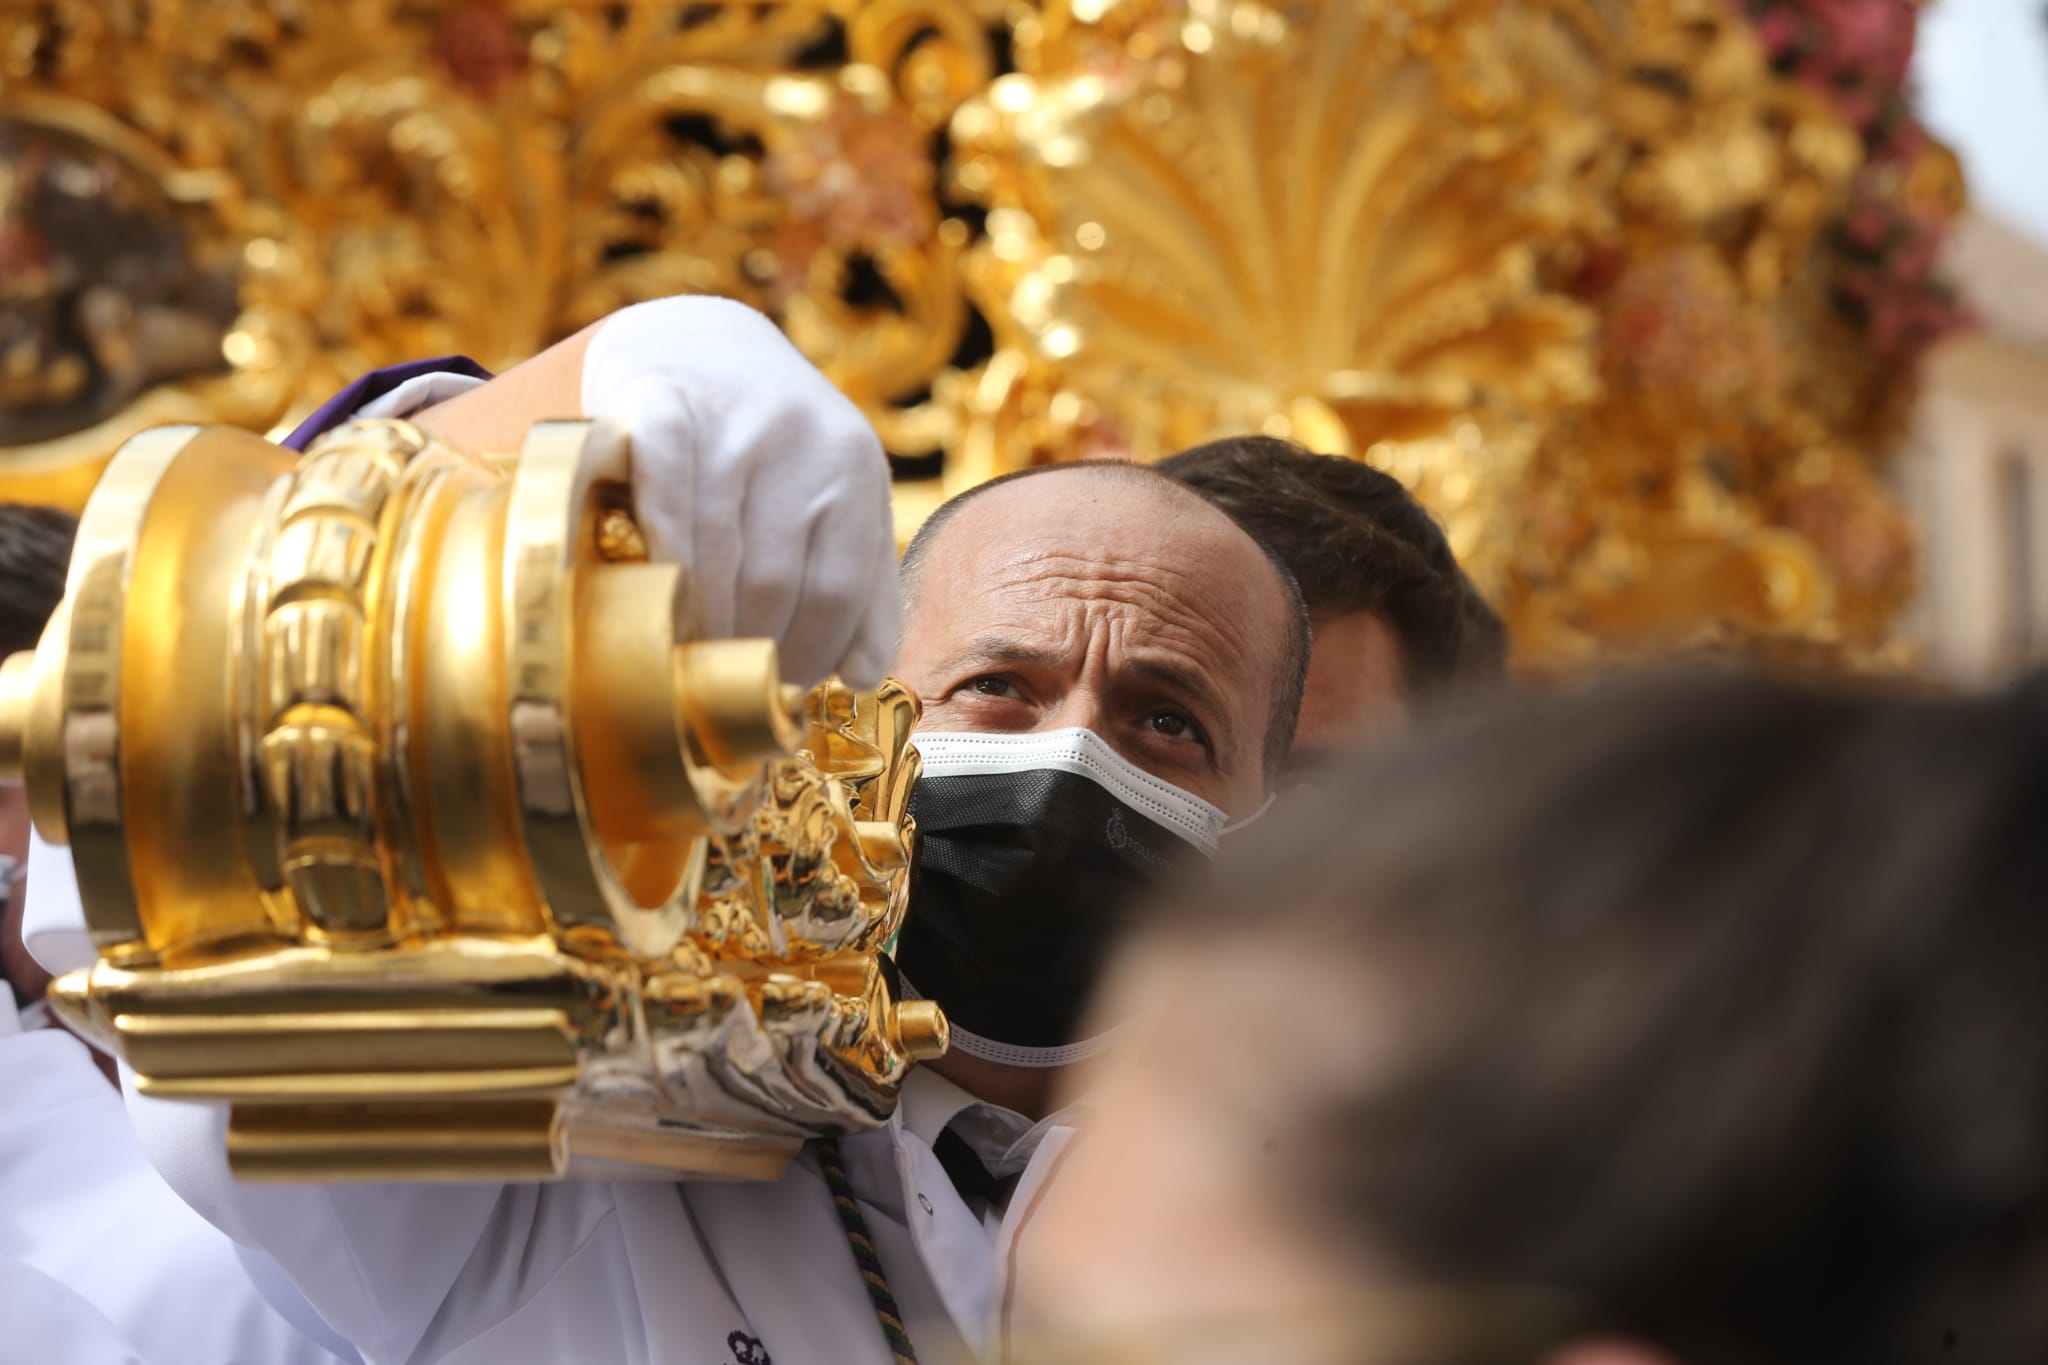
x=1235, y=825
x=1033, y=1058
x=1010, y=1054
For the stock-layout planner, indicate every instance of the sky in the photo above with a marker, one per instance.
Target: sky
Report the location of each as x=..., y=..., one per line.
x=1981, y=70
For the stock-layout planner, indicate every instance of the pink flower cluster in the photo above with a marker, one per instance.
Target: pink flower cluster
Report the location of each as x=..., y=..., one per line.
x=1856, y=54
x=478, y=47
x=855, y=180
x=1676, y=323
x=1887, y=277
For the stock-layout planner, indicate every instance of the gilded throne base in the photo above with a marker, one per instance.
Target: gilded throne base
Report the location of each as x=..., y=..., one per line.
x=409, y=820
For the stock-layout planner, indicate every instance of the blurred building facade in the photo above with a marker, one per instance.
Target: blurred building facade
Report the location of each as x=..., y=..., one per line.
x=1974, y=470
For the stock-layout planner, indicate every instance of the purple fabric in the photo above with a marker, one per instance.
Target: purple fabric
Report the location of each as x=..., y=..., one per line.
x=372, y=386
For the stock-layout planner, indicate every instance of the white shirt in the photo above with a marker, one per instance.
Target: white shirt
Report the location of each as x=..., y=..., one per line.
x=47, y=1321
x=139, y=1276
x=695, y=1273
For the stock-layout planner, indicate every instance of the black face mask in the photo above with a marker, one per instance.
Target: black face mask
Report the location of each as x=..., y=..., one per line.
x=1026, y=879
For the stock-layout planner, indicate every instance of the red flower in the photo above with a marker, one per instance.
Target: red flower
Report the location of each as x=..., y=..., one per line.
x=855, y=179
x=24, y=257
x=478, y=47
x=1871, y=37
x=1856, y=54
x=1780, y=31
x=1853, y=52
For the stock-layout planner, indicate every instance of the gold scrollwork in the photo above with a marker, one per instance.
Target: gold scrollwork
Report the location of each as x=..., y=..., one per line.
x=1560, y=265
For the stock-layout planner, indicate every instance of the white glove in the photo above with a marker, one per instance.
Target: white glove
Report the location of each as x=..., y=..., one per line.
x=750, y=468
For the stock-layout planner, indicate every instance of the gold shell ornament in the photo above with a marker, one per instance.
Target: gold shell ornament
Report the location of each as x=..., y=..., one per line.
x=1328, y=223
x=410, y=820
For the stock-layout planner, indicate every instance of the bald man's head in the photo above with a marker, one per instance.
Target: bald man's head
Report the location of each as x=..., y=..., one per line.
x=1107, y=595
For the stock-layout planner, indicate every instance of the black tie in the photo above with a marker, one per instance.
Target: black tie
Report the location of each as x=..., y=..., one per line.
x=969, y=1176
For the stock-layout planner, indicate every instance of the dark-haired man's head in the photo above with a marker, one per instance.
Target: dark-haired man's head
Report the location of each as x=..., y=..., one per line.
x=1396, y=619
x=1692, y=1021
x=1109, y=668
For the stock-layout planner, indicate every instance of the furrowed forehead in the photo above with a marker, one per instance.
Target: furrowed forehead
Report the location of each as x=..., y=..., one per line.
x=1176, y=573
x=1111, y=542
x=1078, y=505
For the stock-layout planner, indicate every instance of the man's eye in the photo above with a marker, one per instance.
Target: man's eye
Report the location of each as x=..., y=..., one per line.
x=1173, y=725
x=993, y=686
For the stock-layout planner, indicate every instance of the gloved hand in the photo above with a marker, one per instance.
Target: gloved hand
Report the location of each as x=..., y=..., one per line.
x=750, y=468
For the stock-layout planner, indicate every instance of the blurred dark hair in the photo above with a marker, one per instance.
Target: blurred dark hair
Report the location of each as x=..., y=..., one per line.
x=35, y=554
x=1356, y=540
x=1718, y=1003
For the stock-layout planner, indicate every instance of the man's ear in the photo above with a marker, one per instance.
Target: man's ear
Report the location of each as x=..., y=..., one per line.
x=1608, y=1351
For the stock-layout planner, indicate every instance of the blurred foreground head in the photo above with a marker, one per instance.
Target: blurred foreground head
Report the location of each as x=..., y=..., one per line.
x=1698, y=1021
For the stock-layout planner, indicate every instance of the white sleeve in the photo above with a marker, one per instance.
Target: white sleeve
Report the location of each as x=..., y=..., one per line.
x=52, y=918
x=419, y=393
x=84, y=1208
x=47, y=1321
x=404, y=1272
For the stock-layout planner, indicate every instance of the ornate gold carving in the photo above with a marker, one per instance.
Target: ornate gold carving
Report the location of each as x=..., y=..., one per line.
x=1564, y=266
x=440, y=855
x=318, y=753
x=1732, y=403
x=1329, y=224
